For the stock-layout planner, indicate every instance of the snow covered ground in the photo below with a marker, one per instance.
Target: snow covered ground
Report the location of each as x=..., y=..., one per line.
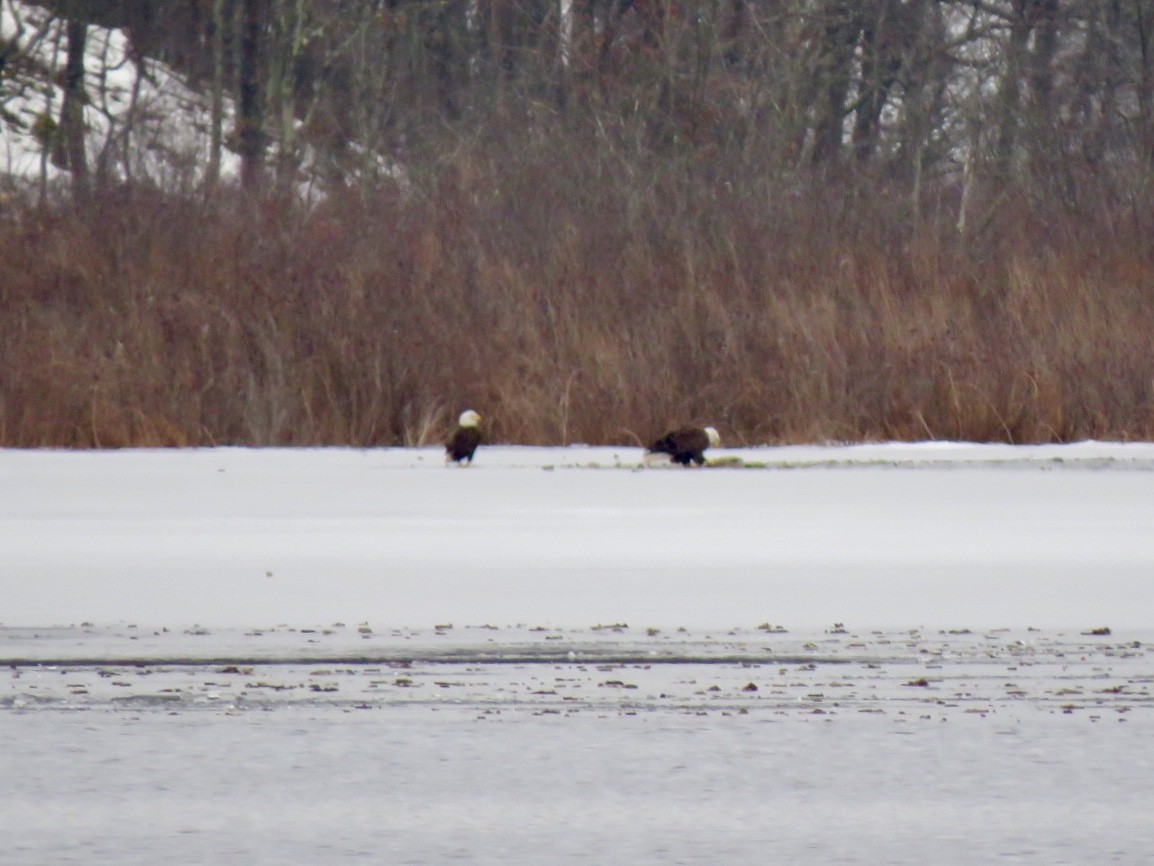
x=887, y=536
x=874, y=654
x=142, y=120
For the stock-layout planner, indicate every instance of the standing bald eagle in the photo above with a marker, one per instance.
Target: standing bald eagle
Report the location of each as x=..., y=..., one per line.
x=462, y=445
x=685, y=444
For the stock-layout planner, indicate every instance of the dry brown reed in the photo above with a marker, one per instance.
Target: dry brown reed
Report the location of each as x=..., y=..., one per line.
x=569, y=300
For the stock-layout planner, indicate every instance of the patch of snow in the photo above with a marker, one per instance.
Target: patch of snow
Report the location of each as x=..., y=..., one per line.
x=142, y=119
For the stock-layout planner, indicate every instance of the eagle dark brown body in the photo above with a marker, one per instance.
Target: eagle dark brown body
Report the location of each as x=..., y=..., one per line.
x=462, y=445
x=686, y=444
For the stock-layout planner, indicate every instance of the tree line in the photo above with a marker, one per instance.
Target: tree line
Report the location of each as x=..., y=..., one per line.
x=1051, y=97
x=792, y=220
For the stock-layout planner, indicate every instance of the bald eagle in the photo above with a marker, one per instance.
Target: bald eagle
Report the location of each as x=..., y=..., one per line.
x=462, y=445
x=685, y=444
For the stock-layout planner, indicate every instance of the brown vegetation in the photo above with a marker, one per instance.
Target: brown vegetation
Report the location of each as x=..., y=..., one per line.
x=569, y=302
x=798, y=221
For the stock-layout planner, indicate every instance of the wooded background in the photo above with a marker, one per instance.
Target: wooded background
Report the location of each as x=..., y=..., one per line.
x=793, y=219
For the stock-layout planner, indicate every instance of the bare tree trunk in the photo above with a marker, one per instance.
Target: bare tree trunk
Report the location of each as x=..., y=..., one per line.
x=72, y=134
x=139, y=61
x=564, y=51
x=289, y=19
x=840, y=31
x=874, y=89
x=1045, y=148
x=250, y=117
x=1144, y=22
x=448, y=51
x=212, y=172
x=1010, y=90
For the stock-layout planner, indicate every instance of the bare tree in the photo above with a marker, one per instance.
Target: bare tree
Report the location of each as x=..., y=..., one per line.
x=217, y=27
x=250, y=121
x=73, y=137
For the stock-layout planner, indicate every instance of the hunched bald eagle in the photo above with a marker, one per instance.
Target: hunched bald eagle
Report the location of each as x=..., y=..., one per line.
x=462, y=445
x=685, y=444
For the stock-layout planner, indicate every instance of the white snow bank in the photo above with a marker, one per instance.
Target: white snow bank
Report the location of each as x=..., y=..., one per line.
x=980, y=536
x=142, y=119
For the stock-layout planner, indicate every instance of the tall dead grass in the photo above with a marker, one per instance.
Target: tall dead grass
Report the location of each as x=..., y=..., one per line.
x=569, y=300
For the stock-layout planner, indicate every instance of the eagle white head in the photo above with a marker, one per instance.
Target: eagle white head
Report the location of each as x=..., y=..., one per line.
x=714, y=438
x=469, y=418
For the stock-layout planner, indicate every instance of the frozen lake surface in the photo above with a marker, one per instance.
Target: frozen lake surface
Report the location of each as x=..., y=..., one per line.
x=940, y=535
x=298, y=657
x=575, y=746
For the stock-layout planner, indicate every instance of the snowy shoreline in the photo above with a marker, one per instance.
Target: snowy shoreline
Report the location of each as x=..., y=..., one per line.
x=835, y=671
